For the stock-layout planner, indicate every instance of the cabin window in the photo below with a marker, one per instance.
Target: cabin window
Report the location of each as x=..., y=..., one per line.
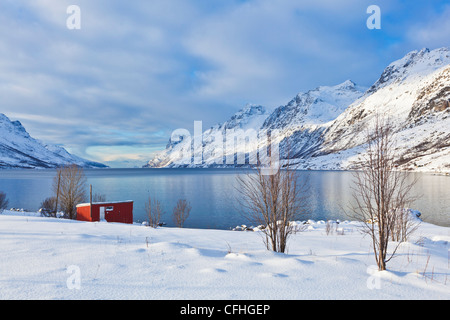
x=109, y=208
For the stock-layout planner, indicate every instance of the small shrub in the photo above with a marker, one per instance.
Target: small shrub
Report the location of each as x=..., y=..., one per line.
x=154, y=212
x=3, y=201
x=97, y=197
x=181, y=212
x=48, y=207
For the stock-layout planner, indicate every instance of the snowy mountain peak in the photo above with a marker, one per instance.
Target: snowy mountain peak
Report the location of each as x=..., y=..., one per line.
x=248, y=111
x=12, y=127
x=19, y=127
x=316, y=106
x=414, y=64
x=250, y=116
x=340, y=95
x=349, y=84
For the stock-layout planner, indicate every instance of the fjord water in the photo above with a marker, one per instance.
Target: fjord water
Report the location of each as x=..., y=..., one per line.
x=214, y=193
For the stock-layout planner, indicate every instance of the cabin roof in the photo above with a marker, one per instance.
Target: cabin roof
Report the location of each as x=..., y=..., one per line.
x=105, y=203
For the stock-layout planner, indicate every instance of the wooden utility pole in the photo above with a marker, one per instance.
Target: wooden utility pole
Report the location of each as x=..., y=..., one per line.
x=57, y=191
x=90, y=200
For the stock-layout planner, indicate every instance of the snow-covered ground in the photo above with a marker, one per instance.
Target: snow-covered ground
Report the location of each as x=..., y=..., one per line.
x=49, y=258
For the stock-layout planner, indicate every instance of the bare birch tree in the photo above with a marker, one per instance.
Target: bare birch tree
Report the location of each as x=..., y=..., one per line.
x=154, y=211
x=382, y=193
x=181, y=212
x=70, y=189
x=274, y=201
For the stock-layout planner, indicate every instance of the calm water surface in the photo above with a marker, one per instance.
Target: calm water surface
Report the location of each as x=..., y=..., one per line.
x=213, y=193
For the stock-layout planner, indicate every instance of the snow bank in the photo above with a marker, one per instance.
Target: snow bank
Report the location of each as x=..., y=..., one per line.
x=49, y=258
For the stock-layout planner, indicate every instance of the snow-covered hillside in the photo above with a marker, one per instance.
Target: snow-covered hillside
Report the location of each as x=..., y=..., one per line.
x=49, y=258
x=19, y=150
x=251, y=117
x=308, y=111
x=326, y=126
x=315, y=107
x=414, y=92
x=306, y=117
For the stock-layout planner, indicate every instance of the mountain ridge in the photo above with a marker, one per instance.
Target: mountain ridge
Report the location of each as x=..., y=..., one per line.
x=326, y=125
x=19, y=150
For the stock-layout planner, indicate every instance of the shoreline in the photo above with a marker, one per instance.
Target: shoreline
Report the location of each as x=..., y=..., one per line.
x=298, y=224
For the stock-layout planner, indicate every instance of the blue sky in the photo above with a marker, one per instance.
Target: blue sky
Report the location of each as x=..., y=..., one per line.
x=114, y=90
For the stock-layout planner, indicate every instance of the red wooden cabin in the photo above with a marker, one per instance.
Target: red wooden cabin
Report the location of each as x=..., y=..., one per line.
x=118, y=211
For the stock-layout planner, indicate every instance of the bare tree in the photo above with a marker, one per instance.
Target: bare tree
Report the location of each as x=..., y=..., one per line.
x=3, y=201
x=70, y=189
x=154, y=211
x=405, y=224
x=275, y=201
x=181, y=212
x=98, y=197
x=382, y=192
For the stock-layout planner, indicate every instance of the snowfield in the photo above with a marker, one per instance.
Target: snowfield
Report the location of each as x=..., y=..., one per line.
x=49, y=258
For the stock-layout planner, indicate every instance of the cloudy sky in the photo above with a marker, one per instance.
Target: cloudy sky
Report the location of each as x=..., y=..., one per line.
x=115, y=89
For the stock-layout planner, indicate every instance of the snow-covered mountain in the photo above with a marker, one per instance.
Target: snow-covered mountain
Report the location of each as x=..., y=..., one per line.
x=306, y=117
x=306, y=113
x=19, y=150
x=178, y=151
x=414, y=92
x=326, y=126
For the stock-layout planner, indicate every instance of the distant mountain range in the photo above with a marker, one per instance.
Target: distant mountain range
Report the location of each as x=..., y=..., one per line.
x=19, y=150
x=326, y=126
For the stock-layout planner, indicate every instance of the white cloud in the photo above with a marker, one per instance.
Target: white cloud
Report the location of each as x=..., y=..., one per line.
x=269, y=50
